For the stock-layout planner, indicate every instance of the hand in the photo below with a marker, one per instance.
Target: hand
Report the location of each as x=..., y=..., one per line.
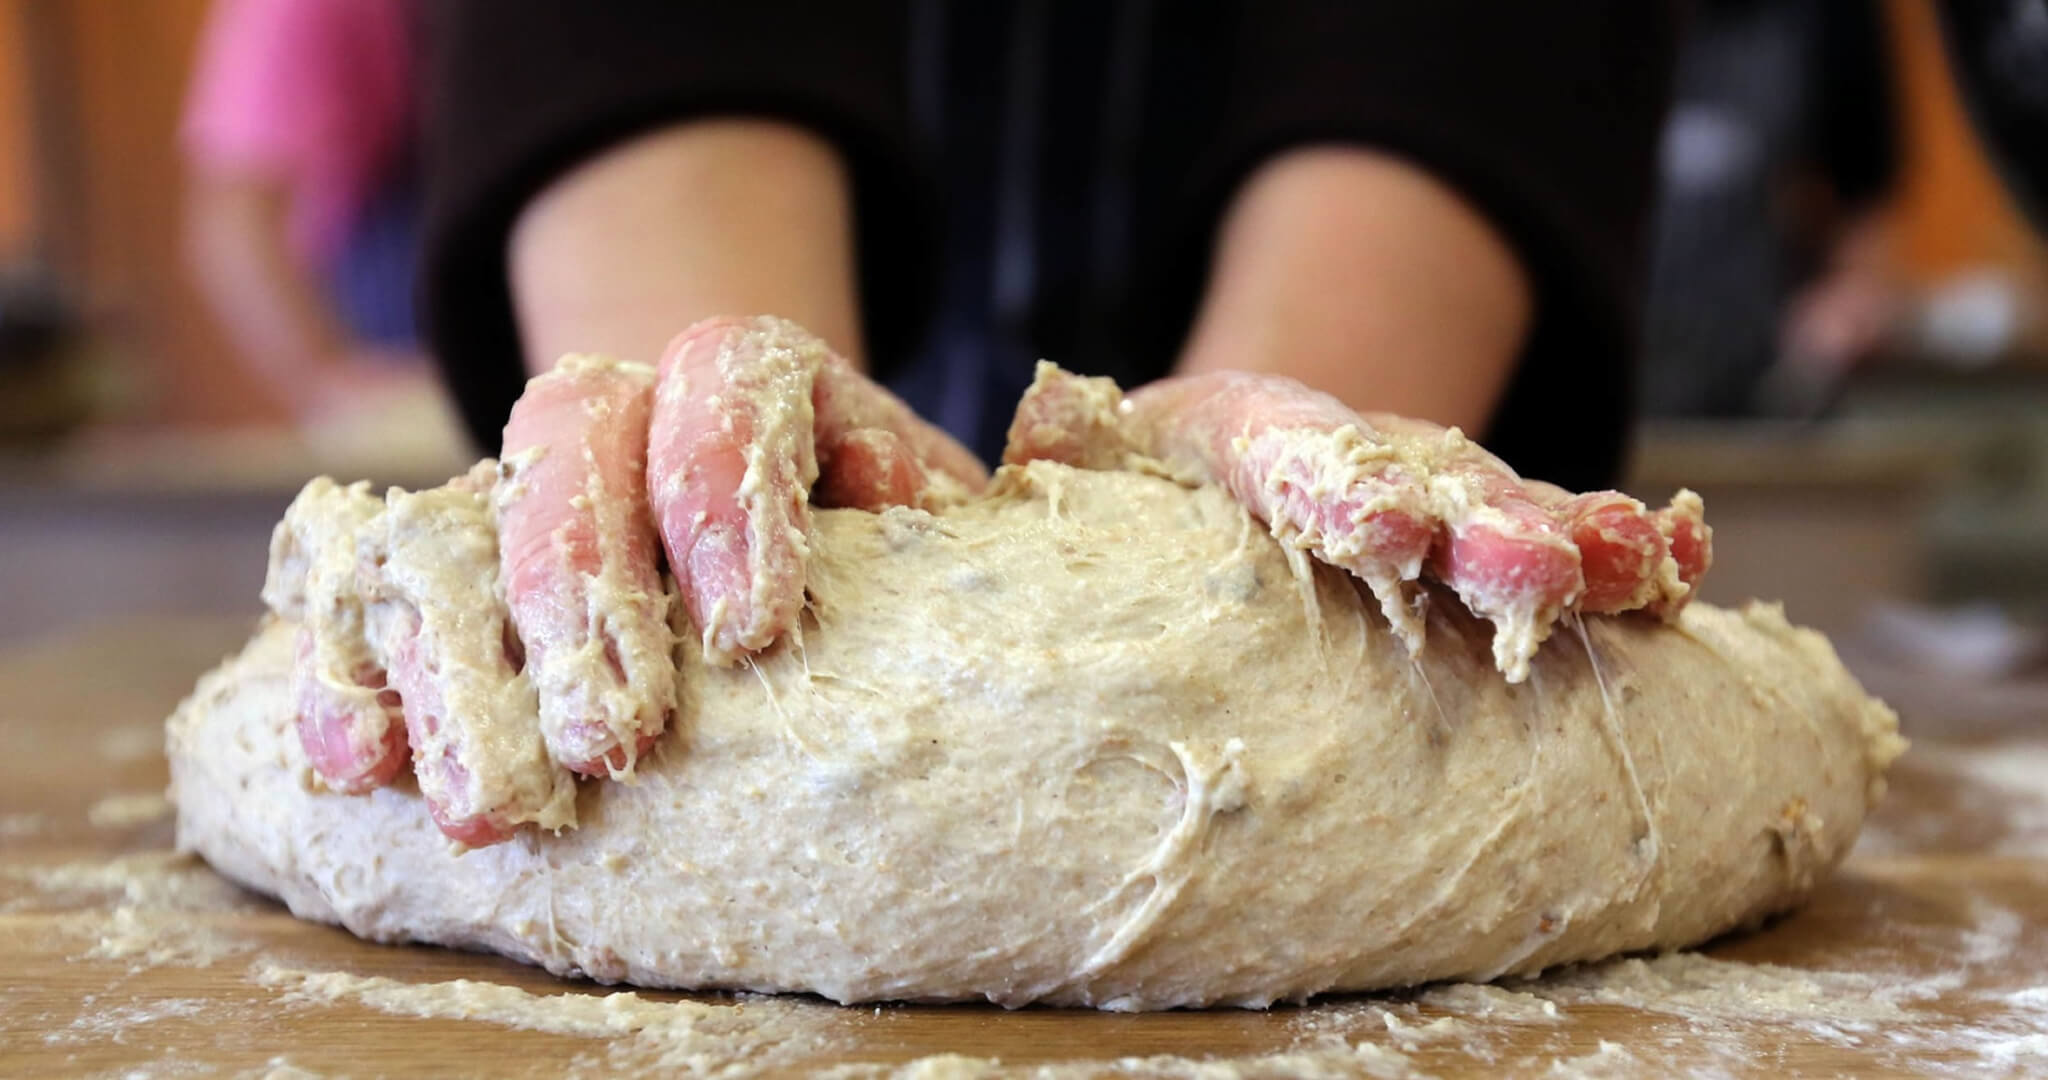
x=512, y=627
x=1386, y=498
x=751, y=413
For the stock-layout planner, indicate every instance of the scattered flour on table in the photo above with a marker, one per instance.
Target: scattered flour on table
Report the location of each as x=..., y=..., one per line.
x=162, y=1067
x=135, y=743
x=154, y=908
x=1610, y=1060
x=128, y=810
x=2030, y=1050
x=752, y=1035
x=280, y=1068
x=26, y=824
x=1700, y=1014
x=154, y=879
x=2001, y=786
x=95, y=1024
x=1363, y=1060
x=143, y=938
x=683, y=1037
x=1491, y=1002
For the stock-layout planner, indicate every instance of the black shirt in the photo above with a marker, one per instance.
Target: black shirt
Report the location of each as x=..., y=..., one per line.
x=1044, y=179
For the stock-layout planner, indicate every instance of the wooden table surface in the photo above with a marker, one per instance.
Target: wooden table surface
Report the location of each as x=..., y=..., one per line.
x=1927, y=954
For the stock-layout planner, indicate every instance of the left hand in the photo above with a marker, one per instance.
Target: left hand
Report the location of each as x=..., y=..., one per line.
x=1387, y=498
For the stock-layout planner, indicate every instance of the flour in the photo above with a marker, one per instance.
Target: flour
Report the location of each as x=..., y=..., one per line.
x=749, y=1036
x=144, y=938
x=1346, y=1064
x=1610, y=1060
x=156, y=880
x=280, y=1068
x=22, y=824
x=1492, y=1003
x=128, y=810
x=683, y=1037
x=113, y=1024
x=1993, y=801
x=122, y=745
x=2031, y=1050
x=1706, y=990
x=141, y=911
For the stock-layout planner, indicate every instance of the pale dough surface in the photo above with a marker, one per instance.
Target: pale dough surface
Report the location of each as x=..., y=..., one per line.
x=1097, y=740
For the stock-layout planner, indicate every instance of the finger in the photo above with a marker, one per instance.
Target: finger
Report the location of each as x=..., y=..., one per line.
x=848, y=401
x=1504, y=554
x=1621, y=550
x=429, y=575
x=870, y=469
x=347, y=721
x=1303, y=463
x=350, y=723
x=730, y=462
x=1069, y=419
x=1691, y=539
x=577, y=551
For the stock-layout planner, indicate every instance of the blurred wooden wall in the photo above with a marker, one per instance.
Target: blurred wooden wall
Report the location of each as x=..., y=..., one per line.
x=17, y=197
x=109, y=212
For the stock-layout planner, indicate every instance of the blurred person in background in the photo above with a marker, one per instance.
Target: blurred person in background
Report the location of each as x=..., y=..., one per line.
x=1427, y=209
x=1770, y=276
x=302, y=209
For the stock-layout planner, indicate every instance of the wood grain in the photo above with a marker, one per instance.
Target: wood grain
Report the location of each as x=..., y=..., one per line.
x=1945, y=911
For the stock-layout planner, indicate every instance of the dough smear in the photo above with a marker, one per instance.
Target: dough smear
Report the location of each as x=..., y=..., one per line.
x=1096, y=739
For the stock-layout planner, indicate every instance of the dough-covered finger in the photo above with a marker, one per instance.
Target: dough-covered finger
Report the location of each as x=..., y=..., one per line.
x=429, y=575
x=348, y=722
x=577, y=548
x=1504, y=553
x=731, y=459
x=1320, y=477
x=1691, y=540
x=1623, y=554
x=848, y=402
x=870, y=469
x=1070, y=419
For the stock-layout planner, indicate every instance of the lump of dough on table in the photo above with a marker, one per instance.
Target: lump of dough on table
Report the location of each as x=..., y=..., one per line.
x=1093, y=740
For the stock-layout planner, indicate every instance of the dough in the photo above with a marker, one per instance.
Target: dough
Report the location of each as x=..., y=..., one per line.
x=1097, y=739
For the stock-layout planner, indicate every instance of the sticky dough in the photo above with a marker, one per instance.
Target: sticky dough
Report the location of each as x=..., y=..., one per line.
x=1097, y=739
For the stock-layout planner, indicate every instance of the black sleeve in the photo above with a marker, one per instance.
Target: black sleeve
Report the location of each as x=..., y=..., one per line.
x=1854, y=131
x=515, y=92
x=1543, y=116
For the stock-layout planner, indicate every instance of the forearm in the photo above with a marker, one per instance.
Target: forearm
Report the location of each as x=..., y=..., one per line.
x=1367, y=278
x=274, y=311
x=716, y=217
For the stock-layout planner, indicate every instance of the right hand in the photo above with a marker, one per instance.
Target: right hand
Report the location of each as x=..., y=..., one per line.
x=717, y=454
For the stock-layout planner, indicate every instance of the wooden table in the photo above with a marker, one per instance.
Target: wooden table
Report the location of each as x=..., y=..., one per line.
x=1927, y=953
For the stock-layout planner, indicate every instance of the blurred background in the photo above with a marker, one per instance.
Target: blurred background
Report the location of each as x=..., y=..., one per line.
x=1846, y=334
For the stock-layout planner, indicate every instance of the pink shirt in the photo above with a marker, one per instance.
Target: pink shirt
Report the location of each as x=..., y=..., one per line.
x=314, y=93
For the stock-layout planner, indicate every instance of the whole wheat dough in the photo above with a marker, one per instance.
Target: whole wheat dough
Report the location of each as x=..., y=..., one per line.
x=1097, y=739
